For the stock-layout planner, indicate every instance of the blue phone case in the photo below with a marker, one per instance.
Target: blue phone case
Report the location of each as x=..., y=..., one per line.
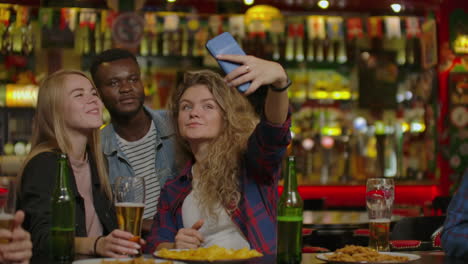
x=226, y=44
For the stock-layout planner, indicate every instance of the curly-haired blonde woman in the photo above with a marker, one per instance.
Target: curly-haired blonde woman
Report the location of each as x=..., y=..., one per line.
x=227, y=193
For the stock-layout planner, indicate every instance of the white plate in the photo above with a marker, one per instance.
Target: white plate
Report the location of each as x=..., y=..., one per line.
x=224, y=261
x=411, y=257
x=99, y=260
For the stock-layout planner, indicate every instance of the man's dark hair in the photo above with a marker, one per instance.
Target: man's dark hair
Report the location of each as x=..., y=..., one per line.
x=108, y=56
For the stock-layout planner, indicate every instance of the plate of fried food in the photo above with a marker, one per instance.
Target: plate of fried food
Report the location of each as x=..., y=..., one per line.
x=213, y=254
x=358, y=254
x=139, y=260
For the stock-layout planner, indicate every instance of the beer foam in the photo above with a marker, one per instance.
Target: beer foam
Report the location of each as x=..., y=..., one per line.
x=380, y=220
x=129, y=205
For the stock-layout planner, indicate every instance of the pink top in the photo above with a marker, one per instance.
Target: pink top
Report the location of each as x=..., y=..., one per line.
x=82, y=172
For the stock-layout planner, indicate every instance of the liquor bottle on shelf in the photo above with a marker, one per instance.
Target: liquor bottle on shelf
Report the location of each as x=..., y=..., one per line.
x=401, y=53
x=410, y=51
x=290, y=208
x=153, y=40
x=341, y=56
x=98, y=38
x=184, y=50
x=289, y=54
x=346, y=175
x=330, y=50
x=275, y=39
x=299, y=39
x=144, y=45
x=165, y=43
x=62, y=231
x=107, y=43
x=319, y=47
x=310, y=49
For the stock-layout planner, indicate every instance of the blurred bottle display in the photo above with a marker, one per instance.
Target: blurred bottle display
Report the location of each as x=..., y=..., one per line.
x=290, y=208
x=62, y=232
x=320, y=53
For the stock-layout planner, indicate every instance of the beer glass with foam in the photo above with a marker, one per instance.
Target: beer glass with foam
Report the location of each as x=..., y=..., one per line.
x=129, y=204
x=7, y=203
x=380, y=193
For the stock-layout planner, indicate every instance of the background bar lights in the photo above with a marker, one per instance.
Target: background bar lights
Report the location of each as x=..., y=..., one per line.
x=249, y=2
x=327, y=142
x=21, y=95
x=396, y=7
x=323, y=4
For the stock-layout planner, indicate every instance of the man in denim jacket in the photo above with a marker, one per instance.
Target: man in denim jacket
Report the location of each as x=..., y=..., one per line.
x=139, y=141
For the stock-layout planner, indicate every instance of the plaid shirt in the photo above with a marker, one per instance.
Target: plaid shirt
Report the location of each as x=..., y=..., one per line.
x=455, y=233
x=256, y=212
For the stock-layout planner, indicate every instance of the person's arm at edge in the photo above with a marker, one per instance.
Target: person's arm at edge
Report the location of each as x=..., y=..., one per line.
x=456, y=223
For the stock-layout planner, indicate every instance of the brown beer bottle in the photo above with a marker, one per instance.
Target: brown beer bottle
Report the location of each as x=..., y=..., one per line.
x=290, y=207
x=62, y=232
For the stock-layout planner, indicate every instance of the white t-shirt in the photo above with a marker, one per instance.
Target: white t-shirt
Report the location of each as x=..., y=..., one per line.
x=223, y=233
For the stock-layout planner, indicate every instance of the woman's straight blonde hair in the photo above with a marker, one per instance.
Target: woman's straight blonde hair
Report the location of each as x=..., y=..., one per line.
x=219, y=172
x=49, y=131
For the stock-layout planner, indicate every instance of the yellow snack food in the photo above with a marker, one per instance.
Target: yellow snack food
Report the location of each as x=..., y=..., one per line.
x=139, y=260
x=212, y=253
x=351, y=253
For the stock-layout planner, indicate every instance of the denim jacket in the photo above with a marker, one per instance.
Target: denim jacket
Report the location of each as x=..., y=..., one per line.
x=165, y=165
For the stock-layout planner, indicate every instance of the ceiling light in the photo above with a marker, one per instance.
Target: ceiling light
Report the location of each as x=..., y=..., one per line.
x=323, y=4
x=249, y=2
x=396, y=7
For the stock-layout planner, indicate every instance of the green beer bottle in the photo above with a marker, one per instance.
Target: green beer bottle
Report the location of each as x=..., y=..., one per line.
x=62, y=233
x=290, y=207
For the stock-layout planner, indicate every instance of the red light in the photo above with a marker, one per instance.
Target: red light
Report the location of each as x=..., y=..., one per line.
x=327, y=142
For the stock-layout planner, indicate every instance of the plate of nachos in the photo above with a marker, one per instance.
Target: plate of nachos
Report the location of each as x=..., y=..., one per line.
x=213, y=254
x=364, y=255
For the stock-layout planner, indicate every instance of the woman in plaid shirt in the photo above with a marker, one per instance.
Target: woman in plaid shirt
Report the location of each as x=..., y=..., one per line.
x=227, y=193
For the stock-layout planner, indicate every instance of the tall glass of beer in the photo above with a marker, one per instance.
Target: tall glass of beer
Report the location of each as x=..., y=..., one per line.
x=380, y=193
x=7, y=203
x=130, y=203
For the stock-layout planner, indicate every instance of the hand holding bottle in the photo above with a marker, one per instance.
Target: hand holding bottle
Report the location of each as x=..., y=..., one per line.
x=190, y=237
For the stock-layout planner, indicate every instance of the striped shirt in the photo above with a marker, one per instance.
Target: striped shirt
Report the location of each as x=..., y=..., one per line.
x=141, y=154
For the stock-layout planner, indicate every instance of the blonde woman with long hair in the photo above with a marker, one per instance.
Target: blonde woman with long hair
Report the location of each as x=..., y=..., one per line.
x=227, y=193
x=67, y=120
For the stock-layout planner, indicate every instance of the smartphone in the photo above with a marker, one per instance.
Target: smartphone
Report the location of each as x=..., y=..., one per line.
x=226, y=44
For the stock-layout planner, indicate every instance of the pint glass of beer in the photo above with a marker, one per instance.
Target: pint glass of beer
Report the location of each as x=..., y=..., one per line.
x=130, y=203
x=380, y=193
x=7, y=203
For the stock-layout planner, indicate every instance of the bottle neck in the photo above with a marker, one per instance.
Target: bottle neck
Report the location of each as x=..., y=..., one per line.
x=62, y=175
x=290, y=182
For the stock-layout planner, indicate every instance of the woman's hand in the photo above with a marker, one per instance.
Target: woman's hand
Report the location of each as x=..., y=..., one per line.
x=259, y=72
x=18, y=249
x=189, y=237
x=118, y=244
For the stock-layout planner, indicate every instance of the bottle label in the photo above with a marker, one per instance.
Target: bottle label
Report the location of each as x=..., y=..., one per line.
x=287, y=218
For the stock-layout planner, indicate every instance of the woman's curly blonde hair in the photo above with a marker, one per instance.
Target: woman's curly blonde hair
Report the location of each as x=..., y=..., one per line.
x=219, y=172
